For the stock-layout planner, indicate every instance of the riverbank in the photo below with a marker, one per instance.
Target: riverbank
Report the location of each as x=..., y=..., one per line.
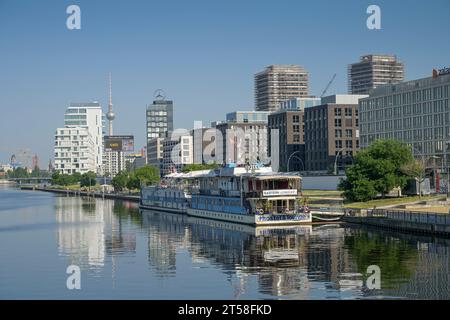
x=410, y=222
x=113, y=196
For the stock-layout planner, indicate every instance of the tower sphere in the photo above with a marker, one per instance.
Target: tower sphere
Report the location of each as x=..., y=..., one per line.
x=110, y=115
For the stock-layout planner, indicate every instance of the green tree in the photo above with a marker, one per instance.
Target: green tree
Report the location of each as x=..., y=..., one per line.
x=119, y=182
x=18, y=173
x=147, y=175
x=88, y=179
x=198, y=166
x=376, y=170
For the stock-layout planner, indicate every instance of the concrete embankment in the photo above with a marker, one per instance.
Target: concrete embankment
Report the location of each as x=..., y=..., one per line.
x=431, y=228
x=86, y=194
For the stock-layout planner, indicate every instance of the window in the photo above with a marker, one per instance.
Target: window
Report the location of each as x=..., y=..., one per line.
x=349, y=144
x=337, y=112
x=296, y=138
x=338, y=133
x=296, y=128
x=348, y=133
x=337, y=122
x=296, y=119
x=348, y=112
x=338, y=144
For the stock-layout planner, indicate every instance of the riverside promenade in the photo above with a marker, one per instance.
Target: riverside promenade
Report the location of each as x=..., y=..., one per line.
x=404, y=221
x=105, y=195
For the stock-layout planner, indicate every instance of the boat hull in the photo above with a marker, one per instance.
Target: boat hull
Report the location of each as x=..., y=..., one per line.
x=257, y=220
x=326, y=217
x=163, y=209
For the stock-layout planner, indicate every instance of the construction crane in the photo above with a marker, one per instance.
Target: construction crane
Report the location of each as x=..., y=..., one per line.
x=328, y=85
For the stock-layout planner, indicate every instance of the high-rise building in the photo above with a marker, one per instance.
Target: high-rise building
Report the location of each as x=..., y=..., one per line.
x=159, y=117
x=332, y=133
x=416, y=112
x=74, y=150
x=113, y=163
x=373, y=71
x=279, y=83
x=89, y=116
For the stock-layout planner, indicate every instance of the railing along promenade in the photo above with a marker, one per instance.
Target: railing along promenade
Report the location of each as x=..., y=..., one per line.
x=409, y=221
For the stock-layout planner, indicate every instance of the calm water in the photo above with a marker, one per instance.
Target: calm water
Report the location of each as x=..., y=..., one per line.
x=127, y=254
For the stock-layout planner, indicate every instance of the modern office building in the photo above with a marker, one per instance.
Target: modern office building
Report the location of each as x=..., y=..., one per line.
x=204, y=140
x=177, y=153
x=279, y=83
x=416, y=112
x=331, y=133
x=113, y=163
x=291, y=144
x=299, y=103
x=74, y=151
x=373, y=71
x=242, y=138
x=89, y=116
x=155, y=152
x=159, y=117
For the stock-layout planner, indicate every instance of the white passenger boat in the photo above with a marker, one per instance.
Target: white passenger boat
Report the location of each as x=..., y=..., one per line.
x=250, y=195
x=173, y=194
x=164, y=198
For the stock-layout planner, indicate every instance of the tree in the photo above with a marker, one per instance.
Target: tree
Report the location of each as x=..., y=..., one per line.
x=198, y=166
x=415, y=169
x=147, y=175
x=18, y=173
x=88, y=179
x=376, y=170
x=120, y=181
x=36, y=172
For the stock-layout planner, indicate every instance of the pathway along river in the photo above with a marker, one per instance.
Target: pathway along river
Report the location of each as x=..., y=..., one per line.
x=127, y=254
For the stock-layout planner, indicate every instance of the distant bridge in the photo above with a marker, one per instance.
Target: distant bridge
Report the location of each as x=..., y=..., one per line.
x=33, y=180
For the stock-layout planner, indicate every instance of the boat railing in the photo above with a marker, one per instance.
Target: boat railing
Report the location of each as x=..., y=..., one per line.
x=259, y=193
x=282, y=210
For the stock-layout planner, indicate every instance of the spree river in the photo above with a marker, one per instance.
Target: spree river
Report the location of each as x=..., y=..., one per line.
x=124, y=253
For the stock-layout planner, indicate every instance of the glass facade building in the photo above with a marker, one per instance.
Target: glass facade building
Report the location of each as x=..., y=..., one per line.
x=416, y=112
x=159, y=123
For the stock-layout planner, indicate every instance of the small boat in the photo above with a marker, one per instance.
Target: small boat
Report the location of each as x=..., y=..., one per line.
x=326, y=215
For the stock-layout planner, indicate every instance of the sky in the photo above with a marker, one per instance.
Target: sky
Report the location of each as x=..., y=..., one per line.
x=203, y=54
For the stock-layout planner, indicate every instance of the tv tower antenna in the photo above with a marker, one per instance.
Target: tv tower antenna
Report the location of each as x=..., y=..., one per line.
x=110, y=115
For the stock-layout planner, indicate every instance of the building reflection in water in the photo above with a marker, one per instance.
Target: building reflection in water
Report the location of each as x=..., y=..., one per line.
x=90, y=229
x=303, y=262
x=166, y=233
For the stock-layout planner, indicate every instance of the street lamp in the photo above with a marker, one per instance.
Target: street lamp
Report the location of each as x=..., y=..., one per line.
x=289, y=159
x=335, y=160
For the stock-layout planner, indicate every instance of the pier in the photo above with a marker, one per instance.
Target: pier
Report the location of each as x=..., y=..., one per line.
x=114, y=196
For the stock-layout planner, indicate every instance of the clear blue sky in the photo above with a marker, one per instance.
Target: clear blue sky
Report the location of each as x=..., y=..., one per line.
x=202, y=53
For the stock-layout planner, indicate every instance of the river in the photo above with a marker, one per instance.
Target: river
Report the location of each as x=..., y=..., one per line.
x=123, y=253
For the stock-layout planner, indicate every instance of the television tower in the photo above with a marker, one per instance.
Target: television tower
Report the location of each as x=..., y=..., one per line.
x=110, y=115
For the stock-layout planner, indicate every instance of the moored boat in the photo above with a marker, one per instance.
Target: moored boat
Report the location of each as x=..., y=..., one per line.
x=250, y=195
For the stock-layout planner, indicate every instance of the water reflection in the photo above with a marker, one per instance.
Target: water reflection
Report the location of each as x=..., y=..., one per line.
x=305, y=262
x=89, y=229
